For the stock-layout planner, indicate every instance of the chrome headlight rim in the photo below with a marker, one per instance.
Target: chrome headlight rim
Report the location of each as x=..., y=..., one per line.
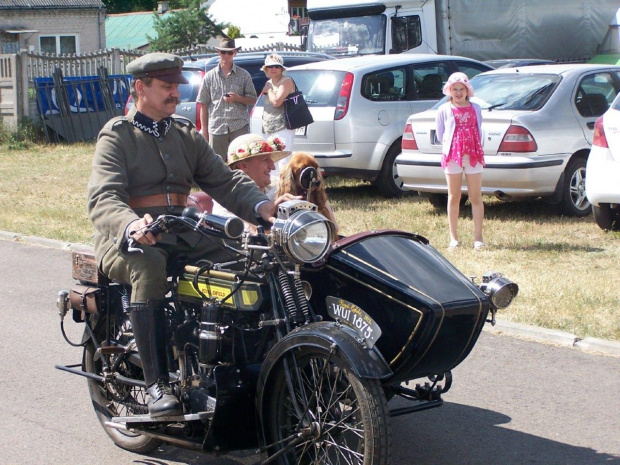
x=289, y=236
x=500, y=290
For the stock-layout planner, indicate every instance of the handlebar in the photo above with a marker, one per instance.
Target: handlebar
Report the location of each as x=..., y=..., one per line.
x=232, y=226
x=193, y=219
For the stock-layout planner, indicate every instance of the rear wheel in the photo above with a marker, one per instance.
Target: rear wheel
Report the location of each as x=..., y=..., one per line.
x=389, y=183
x=440, y=201
x=116, y=399
x=319, y=411
x=574, y=200
x=607, y=216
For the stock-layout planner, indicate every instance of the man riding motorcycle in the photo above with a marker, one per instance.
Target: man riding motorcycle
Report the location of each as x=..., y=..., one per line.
x=145, y=165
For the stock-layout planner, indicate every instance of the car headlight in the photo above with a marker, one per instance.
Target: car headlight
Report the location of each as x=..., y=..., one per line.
x=500, y=290
x=301, y=232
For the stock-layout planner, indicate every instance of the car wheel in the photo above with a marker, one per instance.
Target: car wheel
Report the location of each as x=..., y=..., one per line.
x=574, y=200
x=607, y=216
x=389, y=183
x=440, y=201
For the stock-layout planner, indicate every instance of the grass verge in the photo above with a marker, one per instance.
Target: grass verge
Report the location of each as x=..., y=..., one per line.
x=567, y=268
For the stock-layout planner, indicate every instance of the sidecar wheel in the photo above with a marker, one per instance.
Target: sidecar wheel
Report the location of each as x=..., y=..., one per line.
x=331, y=417
x=118, y=399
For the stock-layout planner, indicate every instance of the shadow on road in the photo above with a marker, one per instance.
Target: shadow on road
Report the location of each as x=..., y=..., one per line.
x=451, y=435
x=462, y=435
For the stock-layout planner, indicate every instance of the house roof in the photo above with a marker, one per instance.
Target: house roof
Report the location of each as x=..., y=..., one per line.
x=128, y=31
x=49, y=4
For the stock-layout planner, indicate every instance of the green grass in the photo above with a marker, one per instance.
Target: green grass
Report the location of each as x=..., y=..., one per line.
x=567, y=268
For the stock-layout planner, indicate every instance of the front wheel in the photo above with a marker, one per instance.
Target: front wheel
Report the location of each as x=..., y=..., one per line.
x=117, y=399
x=319, y=411
x=607, y=216
x=574, y=200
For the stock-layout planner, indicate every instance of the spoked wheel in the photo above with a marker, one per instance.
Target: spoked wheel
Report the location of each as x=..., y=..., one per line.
x=319, y=412
x=116, y=399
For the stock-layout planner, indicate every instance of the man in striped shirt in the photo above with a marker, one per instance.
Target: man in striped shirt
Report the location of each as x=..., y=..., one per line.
x=226, y=93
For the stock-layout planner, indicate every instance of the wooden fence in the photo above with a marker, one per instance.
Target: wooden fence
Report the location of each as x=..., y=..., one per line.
x=19, y=71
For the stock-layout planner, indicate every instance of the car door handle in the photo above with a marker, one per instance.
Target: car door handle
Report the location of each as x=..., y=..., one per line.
x=590, y=125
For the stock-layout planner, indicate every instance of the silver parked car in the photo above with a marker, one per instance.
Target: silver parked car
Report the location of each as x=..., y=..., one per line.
x=537, y=125
x=360, y=106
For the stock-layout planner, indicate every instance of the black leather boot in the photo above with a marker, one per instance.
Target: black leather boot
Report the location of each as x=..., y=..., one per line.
x=149, y=330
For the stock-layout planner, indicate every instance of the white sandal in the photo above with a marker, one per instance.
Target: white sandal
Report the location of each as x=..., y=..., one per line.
x=453, y=245
x=479, y=245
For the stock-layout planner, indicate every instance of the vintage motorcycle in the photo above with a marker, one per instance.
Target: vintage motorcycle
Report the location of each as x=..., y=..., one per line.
x=296, y=352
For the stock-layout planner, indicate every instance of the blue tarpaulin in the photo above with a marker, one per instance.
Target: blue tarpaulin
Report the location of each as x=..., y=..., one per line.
x=84, y=94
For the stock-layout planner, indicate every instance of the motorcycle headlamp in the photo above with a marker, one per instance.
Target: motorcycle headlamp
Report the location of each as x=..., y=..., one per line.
x=301, y=232
x=500, y=290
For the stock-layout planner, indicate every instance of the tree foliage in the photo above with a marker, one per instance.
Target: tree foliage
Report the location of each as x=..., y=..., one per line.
x=234, y=32
x=127, y=6
x=185, y=28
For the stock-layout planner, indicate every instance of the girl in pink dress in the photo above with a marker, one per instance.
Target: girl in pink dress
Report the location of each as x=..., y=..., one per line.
x=458, y=125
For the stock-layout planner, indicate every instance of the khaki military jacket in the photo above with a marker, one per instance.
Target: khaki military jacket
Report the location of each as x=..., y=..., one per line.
x=130, y=162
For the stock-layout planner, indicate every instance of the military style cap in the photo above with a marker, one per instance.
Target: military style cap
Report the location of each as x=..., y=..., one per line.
x=163, y=66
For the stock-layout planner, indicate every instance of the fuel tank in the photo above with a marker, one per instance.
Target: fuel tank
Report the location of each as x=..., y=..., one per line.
x=428, y=313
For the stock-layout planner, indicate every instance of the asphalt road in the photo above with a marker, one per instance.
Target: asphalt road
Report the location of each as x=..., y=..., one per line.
x=513, y=402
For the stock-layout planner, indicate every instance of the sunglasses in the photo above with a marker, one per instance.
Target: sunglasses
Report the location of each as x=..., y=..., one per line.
x=227, y=52
x=272, y=66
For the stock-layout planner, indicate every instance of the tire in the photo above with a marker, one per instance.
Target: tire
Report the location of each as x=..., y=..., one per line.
x=346, y=419
x=440, y=201
x=607, y=216
x=574, y=200
x=388, y=182
x=118, y=399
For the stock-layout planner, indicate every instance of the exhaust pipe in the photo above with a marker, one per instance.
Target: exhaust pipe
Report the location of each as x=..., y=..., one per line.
x=185, y=443
x=502, y=196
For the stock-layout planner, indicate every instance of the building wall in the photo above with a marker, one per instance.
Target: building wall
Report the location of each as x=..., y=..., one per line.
x=87, y=25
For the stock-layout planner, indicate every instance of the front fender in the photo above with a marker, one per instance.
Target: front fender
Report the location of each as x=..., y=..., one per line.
x=364, y=362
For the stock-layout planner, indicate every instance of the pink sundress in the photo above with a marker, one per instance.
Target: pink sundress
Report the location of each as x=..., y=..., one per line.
x=466, y=139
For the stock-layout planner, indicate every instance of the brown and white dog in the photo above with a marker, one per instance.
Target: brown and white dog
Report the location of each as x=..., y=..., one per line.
x=289, y=183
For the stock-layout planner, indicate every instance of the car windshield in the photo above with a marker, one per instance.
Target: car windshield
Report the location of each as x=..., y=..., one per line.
x=320, y=87
x=348, y=36
x=527, y=92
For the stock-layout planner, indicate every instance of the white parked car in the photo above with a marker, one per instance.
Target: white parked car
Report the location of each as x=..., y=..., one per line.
x=360, y=106
x=603, y=168
x=537, y=125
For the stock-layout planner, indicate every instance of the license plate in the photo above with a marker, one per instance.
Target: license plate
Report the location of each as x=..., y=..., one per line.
x=351, y=315
x=301, y=131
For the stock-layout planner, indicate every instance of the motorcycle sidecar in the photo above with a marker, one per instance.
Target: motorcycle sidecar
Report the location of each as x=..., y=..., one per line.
x=428, y=313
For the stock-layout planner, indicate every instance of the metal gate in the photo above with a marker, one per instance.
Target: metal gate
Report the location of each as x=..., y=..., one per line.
x=76, y=108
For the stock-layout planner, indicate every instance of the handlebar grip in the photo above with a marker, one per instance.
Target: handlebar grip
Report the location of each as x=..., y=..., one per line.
x=155, y=230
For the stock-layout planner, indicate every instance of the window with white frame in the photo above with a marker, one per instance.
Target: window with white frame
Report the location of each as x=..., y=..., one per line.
x=58, y=44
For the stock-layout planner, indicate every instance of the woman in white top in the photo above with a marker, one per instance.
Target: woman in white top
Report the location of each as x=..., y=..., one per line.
x=276, y=89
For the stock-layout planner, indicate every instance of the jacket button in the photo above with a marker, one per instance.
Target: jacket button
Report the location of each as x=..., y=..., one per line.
x=166, y=156
x=168, y=188
x=171, y=175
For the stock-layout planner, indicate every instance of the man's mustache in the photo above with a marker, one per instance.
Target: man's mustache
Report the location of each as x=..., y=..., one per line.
x=174, y=100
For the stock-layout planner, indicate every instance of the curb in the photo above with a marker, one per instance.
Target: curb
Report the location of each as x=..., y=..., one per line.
x=535, y=333
x=555, y=337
